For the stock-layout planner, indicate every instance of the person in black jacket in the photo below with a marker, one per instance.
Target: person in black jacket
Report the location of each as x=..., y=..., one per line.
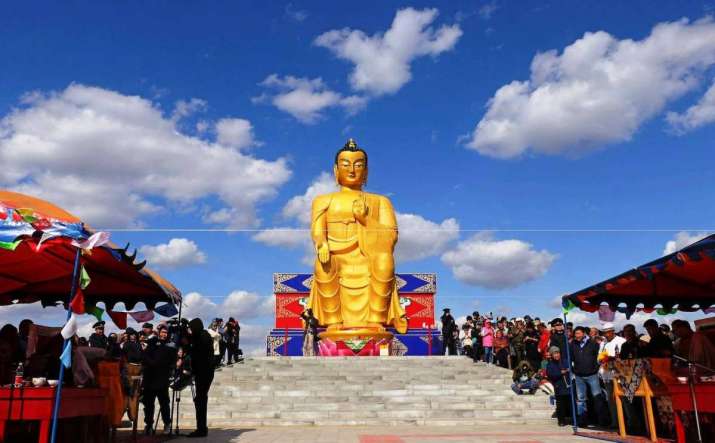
x=584, y=358
x=159, y=359
x=557, y=371
x=449, y=345
x=202, y=360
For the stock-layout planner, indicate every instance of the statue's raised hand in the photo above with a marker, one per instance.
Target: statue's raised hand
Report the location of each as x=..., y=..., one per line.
x=360, y=209
x=323, y=253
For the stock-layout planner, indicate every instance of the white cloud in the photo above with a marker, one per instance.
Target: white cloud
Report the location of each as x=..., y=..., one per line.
x=246, y=307
x=683, y=239
x=418, y=237
x=112, y=159
x=298, y=207
x=599, y=90
x=484, y=261
x=487, y=11
x=700, y=114
x=421, y=238
x=296, y=15
x=175, y=254
x=382, y=61
x=304, y=98
x=236, y=133
x=184, y=108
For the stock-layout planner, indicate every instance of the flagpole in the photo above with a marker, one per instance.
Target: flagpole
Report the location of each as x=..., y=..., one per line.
x=571, y=384
x=58, y=393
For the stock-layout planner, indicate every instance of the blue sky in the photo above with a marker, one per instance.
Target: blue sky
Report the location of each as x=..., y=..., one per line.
x=149, y=117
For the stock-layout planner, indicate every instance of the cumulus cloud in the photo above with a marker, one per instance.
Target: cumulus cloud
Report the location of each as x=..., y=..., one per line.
x=486, y=11
x=236, y=133
x=246, y=307
x=700, y=114
x=599, y=90
x=113, y=158
x=418, y=237
x=421, y=238
x=683, y=239
x=382, y=61
x=178, y=252
x=498, y=264
x=304, y=98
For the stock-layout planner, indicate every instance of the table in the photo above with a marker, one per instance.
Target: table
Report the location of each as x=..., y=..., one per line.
x=30, y=403
x=680, y=396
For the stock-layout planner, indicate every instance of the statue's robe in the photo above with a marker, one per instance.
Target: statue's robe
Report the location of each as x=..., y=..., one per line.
x=357, y=285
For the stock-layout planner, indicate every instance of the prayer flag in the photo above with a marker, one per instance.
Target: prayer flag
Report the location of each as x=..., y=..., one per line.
x=45, y=236
x=567, y=305
x=662, y=311
x=142, y=316
x=66, y=357
x=10, y=246
x=119, y=318
x=84, y=279
x=605, y=314
x=70, y=328
x=77, y=303
x=167, y=310
x=96, y=240
x=97, y=312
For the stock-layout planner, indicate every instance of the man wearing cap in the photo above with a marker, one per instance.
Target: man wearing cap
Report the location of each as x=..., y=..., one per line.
x=516, y=340
x=557, y=371
x=147, y=331
x=610, y=349
x=449, y=346
x=558, y=337
x=584, y=358
x=98, y=339
x=159, y=359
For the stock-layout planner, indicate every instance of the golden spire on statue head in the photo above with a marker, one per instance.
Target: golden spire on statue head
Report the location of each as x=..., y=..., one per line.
x=351, y=143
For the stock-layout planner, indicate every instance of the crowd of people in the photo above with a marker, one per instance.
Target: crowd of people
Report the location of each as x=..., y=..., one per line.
x=537, y=352
x=172, y=354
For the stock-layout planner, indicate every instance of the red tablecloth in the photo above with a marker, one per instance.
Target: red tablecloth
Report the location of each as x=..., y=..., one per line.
x=31, y=403
x=682, y=401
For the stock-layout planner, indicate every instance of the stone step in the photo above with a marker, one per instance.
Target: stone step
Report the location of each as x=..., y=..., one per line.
x=380, y=391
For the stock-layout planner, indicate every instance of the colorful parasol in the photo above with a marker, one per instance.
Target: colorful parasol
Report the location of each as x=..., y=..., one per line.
x=683, y=280
x=37, y=255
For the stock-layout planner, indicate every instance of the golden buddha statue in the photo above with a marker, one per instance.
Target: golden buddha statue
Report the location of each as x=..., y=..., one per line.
x=354, y=234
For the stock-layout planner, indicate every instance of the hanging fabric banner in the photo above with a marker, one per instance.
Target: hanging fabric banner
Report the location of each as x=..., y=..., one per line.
x=84, y=279
x=605, y=314
x=66, y=357
x=142, y=316
x=97, y=312
x=96, y=240
x=70, y=328
x=167, y=310
x=77, y=303
x=119, y=318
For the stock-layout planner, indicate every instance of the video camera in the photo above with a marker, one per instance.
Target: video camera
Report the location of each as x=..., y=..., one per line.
x=178, y=330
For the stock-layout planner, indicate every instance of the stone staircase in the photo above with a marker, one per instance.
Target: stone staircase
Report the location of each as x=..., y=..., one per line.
x=306, y=391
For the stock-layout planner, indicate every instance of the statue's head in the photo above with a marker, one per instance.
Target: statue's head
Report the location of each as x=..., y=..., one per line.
x=351, y=166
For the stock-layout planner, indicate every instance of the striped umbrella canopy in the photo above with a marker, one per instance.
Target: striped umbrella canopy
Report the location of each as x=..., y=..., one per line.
x=37, y=255
x=683, y=280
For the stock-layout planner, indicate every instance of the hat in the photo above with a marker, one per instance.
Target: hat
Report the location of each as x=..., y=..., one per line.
x=554, y=349
x=520, y=319
x=608, y=327
x=556, y=321
x=99, y=324
x=446, y=309
x=148, y=325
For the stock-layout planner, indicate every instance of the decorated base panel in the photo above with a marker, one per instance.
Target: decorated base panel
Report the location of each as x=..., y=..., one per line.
x=416, y=293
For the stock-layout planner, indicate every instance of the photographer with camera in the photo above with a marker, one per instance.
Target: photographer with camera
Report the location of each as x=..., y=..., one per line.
x=159, y=359
x=201, y=351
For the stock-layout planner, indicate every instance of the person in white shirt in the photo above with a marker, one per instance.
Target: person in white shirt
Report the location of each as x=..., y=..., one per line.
x=610, y=348
x=216, y=338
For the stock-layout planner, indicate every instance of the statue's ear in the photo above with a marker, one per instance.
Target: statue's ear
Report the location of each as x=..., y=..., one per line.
x=335, y=174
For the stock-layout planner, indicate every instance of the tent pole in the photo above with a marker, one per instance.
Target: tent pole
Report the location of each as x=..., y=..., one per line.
x=571, y=383
x=58, y=393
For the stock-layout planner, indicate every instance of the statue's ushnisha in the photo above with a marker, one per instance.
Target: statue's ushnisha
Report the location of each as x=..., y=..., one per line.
x=354, y=234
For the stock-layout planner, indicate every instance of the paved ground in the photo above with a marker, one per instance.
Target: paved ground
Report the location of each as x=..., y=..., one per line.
x=421, y=434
